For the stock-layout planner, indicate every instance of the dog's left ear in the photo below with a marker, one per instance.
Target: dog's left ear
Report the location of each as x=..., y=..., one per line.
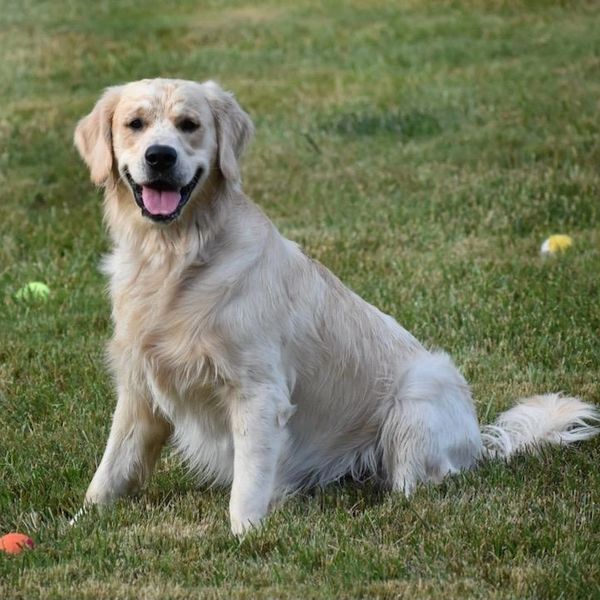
x=234, y=129
x=93, y=136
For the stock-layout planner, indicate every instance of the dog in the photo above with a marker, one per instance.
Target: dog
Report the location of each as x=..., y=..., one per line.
x=249, y=357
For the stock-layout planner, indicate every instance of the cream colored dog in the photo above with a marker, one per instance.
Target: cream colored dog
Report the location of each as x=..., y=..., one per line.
x=252, y=359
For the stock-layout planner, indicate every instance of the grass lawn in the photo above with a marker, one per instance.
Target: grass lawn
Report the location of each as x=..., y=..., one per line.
x=422, y=151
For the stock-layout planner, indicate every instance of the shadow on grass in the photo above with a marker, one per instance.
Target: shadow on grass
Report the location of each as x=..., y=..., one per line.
x=406, y=125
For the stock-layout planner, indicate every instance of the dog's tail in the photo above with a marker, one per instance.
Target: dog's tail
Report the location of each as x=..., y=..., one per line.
x=540, y=420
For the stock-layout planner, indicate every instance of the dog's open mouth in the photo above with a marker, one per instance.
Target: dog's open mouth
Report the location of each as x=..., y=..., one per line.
x=160, y=200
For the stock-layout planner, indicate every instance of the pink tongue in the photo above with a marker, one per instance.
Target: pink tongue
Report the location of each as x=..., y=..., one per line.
x=160, y=202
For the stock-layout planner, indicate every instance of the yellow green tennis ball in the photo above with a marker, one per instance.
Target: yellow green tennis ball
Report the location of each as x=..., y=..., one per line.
x=556, y=244
x=34, y=290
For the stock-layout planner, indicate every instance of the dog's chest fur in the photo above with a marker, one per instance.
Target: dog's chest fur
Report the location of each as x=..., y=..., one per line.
x=176, y=359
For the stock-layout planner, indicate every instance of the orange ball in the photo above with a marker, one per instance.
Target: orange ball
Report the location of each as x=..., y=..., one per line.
x=13, y=543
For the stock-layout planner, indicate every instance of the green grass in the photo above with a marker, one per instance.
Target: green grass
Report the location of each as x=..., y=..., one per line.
x=421, y=150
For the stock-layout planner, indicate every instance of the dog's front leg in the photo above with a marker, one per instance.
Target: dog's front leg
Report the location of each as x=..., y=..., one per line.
x=258, y=425
x=136, y=438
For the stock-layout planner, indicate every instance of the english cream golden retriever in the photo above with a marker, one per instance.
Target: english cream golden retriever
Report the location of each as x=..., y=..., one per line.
x=257, y=363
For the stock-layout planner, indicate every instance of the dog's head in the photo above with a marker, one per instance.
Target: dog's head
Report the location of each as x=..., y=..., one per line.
x=163, y=137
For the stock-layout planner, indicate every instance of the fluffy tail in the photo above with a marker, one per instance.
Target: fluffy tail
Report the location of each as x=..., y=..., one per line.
x=539, y=420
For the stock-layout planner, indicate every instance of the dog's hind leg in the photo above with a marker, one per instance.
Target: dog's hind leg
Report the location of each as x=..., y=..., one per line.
x=431, y=429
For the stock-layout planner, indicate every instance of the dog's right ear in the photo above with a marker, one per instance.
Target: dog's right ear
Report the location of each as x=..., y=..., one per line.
x=93, y=136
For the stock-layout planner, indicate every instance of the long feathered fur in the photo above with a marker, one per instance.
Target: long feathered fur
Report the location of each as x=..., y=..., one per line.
x=540, y=420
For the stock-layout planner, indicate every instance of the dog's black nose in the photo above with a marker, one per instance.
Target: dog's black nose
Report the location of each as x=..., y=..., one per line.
x=161, y=157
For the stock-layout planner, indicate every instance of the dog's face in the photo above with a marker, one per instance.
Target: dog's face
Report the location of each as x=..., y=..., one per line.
x=163, y=137
x=164, y=142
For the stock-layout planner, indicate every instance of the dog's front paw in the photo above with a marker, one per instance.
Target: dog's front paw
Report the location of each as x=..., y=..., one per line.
x=242, y=524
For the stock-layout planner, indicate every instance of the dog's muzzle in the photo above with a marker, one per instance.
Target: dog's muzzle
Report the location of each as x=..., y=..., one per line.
x=161, y=200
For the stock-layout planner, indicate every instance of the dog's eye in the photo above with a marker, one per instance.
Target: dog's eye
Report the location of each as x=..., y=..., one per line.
x=188, y=125
x=136, y=124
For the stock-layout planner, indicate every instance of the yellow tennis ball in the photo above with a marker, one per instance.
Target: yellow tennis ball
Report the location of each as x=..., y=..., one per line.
x=555, y=244
x=34, y=290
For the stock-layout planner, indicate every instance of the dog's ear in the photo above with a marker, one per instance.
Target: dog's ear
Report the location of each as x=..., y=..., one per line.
x=234, y=129
x=93, y=136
